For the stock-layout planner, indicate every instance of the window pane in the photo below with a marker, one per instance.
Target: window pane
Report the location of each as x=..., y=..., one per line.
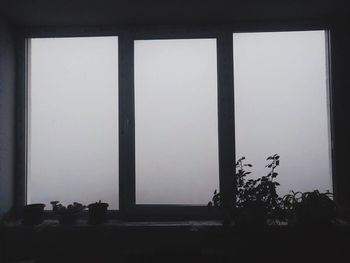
x=176, y=121
x=281, y=106
x=73, y=120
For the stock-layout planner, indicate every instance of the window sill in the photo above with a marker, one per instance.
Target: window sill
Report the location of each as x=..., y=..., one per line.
x=195, y=240
x=191, y=225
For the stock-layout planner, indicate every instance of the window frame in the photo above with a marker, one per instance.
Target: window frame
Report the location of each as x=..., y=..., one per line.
x=329, y=86
x=127, y=170
x=225, y=103
x=29, y=64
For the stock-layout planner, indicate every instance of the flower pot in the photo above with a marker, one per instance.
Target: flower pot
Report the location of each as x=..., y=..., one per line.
x=314, y=216
x=33, y=214
x=97, y=213
x=315, y=210
x=67, y=218
x=252, y=215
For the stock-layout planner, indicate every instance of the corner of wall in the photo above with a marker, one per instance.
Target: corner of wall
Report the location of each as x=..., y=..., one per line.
x=7, y=115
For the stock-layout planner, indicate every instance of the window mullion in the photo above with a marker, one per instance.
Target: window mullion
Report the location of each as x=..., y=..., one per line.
x=226, y=121
x=126, y=124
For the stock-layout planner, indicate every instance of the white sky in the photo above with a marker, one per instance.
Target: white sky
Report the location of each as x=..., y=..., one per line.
x=176, y=121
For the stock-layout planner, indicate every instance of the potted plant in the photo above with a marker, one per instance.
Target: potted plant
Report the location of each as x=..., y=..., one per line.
x=257, y=200
x=97, y=212
x=33, y=214
x=258, y=204
x=310, y=208
x=67, y=215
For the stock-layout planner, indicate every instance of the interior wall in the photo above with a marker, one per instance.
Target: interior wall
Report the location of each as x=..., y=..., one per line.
x=7, y=115
x=340, y=66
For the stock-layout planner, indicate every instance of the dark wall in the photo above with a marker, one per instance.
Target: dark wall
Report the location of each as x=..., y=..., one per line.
x=141, y=12
x=340, y=67
x=178, y=244
x=7, y=115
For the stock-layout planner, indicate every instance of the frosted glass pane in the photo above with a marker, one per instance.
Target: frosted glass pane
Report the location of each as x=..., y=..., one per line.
x=176, y=121
x=281, y=106
x=73, y=120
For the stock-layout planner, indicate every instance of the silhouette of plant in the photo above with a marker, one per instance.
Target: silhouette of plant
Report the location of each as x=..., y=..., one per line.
x=216, y=200
x=256, y=199
x=310, y=208
x=71, y=208
x=258, y=203
x=259, y=196
x=67, y=215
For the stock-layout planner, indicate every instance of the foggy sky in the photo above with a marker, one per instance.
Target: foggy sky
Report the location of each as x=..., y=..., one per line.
x=176, y=121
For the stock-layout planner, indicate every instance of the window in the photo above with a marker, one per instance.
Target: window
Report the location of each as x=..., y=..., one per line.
x=73, y=120
x=173, y=98
x=176, y=126
x=282, y=107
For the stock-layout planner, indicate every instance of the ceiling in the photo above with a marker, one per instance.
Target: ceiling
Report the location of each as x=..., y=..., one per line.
x=121, y=12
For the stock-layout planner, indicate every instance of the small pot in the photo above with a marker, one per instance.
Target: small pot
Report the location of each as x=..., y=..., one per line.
x=97, y=213
x=33, y=214
x=68, y=218
x=253, y=214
